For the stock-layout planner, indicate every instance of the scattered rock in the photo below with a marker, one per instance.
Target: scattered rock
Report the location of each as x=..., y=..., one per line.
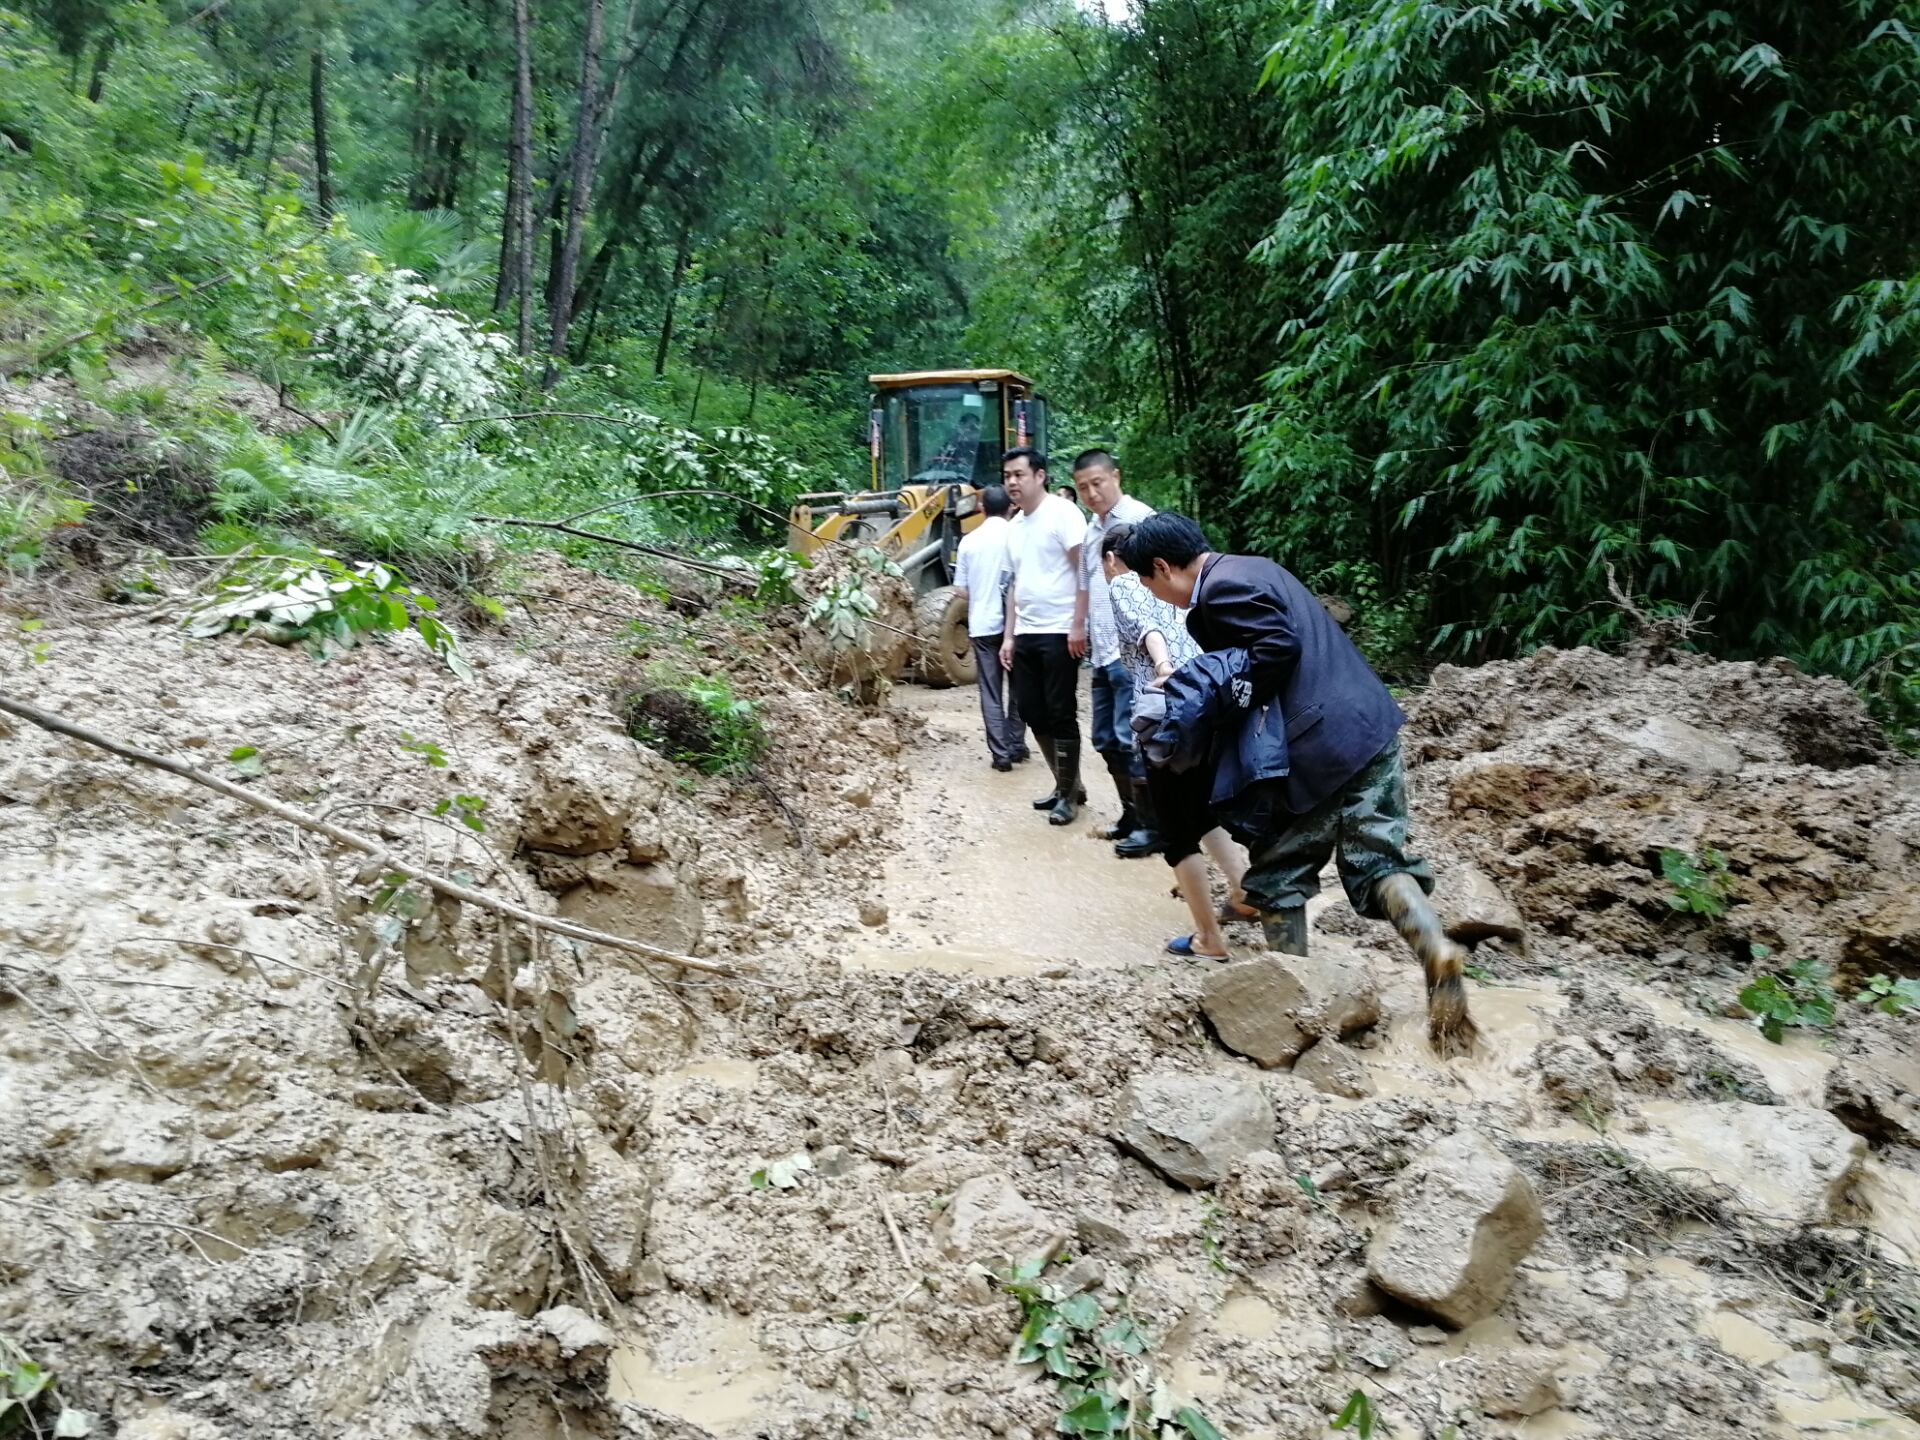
x=1273, y=1007
x=989, y=1221
x=1889, y=938
x=1106, y=1232
x=648, y=902
x=1613, y=1286
x=1192, y=1128
x=1681, y=746
x=1876, y=1093
x=1333, y=1069
x=1781, y=1162
x=1575, y=1075
x=1361, y=1299
x=1848, y=1360
x=1519, y=1383
x=1379, y=1344
x=873, y=913
x=1478, y=909
x=1463, y=1216
x=584, y=788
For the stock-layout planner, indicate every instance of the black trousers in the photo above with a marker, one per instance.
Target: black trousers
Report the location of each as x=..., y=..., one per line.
x=1046, y=683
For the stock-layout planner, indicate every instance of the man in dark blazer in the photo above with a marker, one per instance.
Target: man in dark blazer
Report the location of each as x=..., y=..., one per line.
x=1344, y=793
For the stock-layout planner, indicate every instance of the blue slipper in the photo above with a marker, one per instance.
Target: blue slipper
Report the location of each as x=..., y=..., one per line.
x=1182, y=945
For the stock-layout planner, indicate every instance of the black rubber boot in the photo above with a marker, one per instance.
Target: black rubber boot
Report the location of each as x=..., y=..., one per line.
x=1129, y=820
x=1286, y=930
x=1144, y=838
x=1071, y=796
x=1049, y=753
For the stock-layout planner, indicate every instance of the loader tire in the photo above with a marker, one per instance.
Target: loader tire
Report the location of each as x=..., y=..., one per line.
x=946, y=650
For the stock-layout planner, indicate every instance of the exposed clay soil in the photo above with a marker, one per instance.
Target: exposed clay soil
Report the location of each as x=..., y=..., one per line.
x=262, y=1177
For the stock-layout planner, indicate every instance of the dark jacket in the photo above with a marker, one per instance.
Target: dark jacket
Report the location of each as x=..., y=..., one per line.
x=1338, y=714
x=1204, y=719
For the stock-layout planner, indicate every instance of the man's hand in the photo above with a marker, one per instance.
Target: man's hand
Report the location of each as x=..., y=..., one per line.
x=1006, y=653
x=1077, y=639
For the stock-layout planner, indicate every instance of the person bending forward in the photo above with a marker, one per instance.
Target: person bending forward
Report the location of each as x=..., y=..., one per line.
x=1345, y=790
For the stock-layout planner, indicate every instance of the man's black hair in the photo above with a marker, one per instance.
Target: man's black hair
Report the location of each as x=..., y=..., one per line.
x=1115, y=537
x=1027, y=453
x=994, y=500
x=966, y=415
x=1164, y=536
x=1087, y=459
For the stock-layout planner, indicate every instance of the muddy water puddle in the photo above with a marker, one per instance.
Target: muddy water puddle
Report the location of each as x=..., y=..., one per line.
x=709, y=1372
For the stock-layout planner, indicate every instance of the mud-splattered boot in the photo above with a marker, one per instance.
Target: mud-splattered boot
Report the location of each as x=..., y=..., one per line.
x=1286, y=930
x=1450, y=1029
x=1144, y=839
x=1050, y=753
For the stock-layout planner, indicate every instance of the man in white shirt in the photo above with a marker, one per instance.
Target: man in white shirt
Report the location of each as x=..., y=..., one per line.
x=1046, y=624
x=980, y=577
x=1096, y=479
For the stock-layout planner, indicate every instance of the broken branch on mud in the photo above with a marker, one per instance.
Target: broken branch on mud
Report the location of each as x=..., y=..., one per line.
x=355, y=841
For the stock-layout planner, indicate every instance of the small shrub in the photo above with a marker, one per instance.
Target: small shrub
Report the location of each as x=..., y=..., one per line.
x=1701, y=883
x=695, y=721
x=1890, y=997
x=324, y=602
x=387, y=335
x=29, y=1404
x=1799, y=997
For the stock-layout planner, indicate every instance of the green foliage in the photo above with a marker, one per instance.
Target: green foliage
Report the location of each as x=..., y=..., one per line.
x=323, y=602
x=1701, y=883
x=1890, y=997
x=1388, y=627
x=1575, y=287
x=778, y=570
x=1358, y=1414
x=28, y=1402
x=467, y=809
x=694, y=719
x=1799, y=997
x=1100, y=1363
x=246, y=761
x=33, y=504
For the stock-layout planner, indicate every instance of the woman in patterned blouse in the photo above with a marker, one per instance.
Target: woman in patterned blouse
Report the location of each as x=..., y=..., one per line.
x=1153, y=644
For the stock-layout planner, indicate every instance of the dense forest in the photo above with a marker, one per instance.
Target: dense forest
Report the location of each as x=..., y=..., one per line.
x=1455, y=308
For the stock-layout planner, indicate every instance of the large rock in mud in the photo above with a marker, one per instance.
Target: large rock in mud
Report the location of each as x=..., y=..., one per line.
x=1272, y=1008
x=1463, y=1216
x=1477, y=909
x=1333, y=1069
x=991, y=1222
x=1780, y=1162
x=654, y=903
x=584, y=790
x=1193, y=1128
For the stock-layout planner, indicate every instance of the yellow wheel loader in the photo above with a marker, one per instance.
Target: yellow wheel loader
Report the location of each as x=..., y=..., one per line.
x=935, y=437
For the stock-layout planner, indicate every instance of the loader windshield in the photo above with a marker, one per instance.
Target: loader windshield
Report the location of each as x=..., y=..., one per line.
x=941, y=435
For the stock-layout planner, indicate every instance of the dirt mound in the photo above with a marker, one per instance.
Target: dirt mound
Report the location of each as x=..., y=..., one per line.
x=1570, y=775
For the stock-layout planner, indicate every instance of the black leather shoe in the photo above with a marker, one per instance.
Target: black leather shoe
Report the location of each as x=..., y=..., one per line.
x=1064, y=811
x=1003, y=764
x=1139, y=843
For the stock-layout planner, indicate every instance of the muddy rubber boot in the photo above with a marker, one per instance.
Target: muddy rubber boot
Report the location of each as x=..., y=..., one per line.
x=1144, y=839
x=1123, y=785
x=1071, y=794
x=1450, y=1029
x=1049, y=752
x=1286, y=930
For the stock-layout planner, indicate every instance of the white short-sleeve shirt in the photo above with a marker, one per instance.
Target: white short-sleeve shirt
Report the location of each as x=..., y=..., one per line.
x=978, y=569
x=1044, y=579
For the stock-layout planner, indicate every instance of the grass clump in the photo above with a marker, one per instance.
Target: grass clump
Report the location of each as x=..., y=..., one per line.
x=695, y=720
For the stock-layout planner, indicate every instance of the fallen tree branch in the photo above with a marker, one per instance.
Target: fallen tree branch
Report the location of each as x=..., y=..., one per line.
x=355, y=841
x=658, y=551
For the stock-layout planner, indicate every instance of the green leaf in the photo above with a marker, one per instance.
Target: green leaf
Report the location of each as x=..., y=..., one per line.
x=1082, y=1312
x=246, y=760
x=1197, y=1425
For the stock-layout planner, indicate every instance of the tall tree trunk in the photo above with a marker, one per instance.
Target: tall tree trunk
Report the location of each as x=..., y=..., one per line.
x=523, y=161
x=317, y=94
x=273, y=136
x=585, y=347
x=580, y=185
x=253, y=124
x=680, y=255
x=97, y=82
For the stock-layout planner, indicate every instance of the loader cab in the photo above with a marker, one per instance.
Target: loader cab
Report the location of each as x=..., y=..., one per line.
x=950, y=427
